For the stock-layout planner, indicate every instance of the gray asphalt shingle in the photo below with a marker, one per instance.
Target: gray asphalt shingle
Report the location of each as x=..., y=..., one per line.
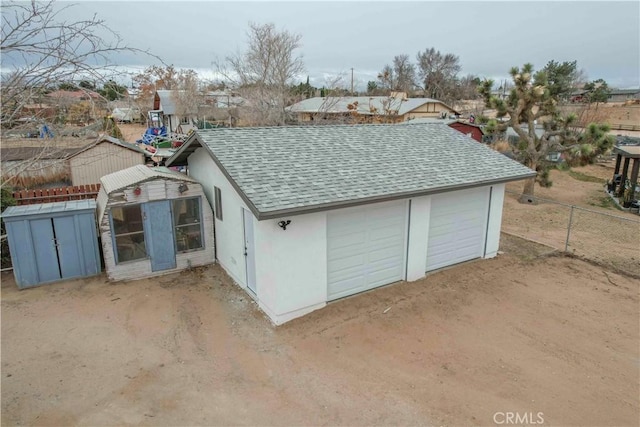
x=288, y=168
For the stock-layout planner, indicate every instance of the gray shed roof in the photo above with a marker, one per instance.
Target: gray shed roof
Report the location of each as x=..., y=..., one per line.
x=365, y=104
x=136, y=174
x=112, y=140
x=49, y=208
x=292, y=170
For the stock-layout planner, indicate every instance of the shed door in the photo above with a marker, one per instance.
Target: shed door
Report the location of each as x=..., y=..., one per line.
x=159, y=233
x=457, y=227
x=44, y=247
x=365, y=248
x=67, y=242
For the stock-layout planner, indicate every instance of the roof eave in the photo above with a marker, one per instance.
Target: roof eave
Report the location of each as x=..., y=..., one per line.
x=375, y=199
x=147, y=179
x=179, y=158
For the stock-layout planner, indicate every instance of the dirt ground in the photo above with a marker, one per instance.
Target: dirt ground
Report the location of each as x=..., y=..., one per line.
x=525, y=332
x=612, y=239
x=518, y=333
x=132, y=132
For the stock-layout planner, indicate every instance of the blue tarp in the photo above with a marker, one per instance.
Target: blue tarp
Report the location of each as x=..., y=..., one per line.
x=152, y=133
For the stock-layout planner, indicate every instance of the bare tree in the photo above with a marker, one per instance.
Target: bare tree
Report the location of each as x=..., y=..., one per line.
x=387, y=78
x=400, y=76
x=438, y=73
x=405, y=73
x=40, y=49
x=265, y=71
x=190, y=94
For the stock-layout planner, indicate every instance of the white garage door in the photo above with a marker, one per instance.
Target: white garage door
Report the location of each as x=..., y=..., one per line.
x=365, y=248
x=457, y=227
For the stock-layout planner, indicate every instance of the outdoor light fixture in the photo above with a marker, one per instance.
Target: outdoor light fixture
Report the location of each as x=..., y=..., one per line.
x=182, y=188
x=284, y=224
x=137, y=190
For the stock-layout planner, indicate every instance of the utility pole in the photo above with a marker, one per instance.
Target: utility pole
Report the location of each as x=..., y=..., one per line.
x=351, y=81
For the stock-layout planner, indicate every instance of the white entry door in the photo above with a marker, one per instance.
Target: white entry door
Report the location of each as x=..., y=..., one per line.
x=457, y=227
x=249, y=250
x=366, y=247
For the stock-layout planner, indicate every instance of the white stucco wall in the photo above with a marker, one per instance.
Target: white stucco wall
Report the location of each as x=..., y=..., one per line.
x=291, y=266
x=291, y=272
x=418, y=232
x=495, y=221
x=229, y=232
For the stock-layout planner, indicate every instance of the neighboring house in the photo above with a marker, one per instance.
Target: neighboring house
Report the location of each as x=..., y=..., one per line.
x=369, y=109
x=102, y=157
x=224, y=99
x=622, y=95
x=221, y=108
x=70, y=96
x=308, y=214
x=79, y=106
x=578, y=96
x=513, y=139
x=174, y=119
x=615, y=95
x=472, y=130
x=153, y=221
x=126, y=114
x=36, y=112
x=29, y=166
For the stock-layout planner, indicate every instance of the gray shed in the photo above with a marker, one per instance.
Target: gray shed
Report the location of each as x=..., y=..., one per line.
x=104, y=156
x=52, y=241
x=153, y=221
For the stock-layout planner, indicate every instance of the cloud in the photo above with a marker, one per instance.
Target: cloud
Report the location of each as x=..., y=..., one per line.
x=488, y=37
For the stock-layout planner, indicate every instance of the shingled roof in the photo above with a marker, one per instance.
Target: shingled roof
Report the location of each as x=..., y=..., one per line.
x=109, y=139
x=292, y=170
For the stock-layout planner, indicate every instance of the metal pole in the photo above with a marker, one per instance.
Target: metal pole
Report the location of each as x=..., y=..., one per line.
x=566, y=243
x=352, y=81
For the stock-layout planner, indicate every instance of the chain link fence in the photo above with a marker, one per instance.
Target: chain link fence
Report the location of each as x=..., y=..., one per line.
x=609, y=239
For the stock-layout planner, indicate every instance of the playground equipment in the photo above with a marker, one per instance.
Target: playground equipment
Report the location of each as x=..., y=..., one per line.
x=156, y=129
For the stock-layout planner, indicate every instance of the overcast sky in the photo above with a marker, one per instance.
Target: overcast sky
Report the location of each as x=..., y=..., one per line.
x=488, y=37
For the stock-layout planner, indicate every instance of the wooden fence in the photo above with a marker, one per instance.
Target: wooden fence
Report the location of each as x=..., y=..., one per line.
x=62, y=194
x=618, y=126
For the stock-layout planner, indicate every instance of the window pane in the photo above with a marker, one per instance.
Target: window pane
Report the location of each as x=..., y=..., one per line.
x=130, y=247
x=126, y=219
x=186, y=211
x=188, y=237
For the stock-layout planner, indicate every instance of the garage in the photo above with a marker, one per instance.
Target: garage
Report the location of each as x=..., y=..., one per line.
x=457, y=227
x=348, y=208
x=365, y=248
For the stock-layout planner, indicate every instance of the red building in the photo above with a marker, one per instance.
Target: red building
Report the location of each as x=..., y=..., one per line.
x=471, y=129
